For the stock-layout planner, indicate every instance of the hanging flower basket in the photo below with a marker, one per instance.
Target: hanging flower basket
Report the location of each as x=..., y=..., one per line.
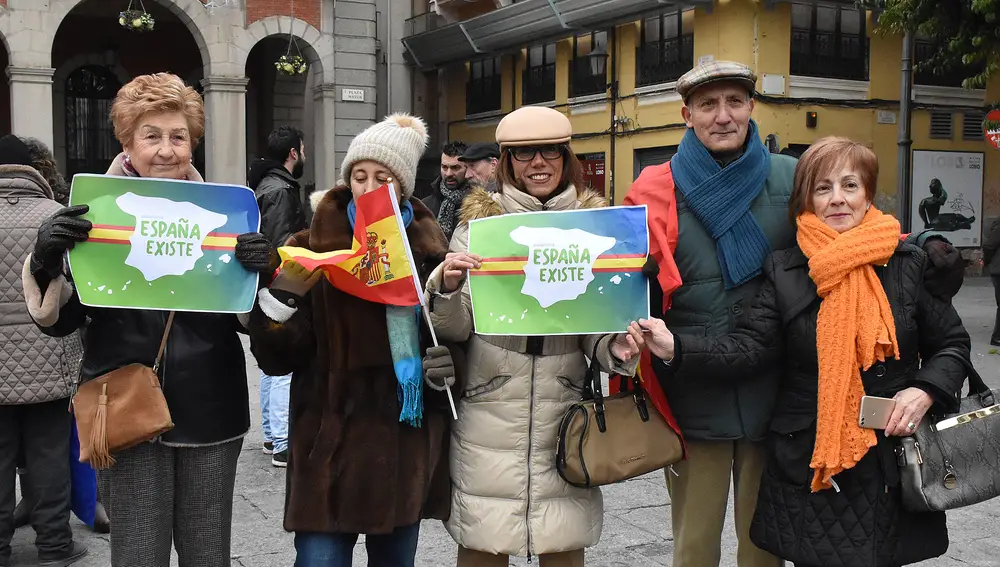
x=136, y=20
x=291, y=65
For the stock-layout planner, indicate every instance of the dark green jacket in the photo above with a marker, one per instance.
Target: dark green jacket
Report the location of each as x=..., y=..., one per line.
x=707, y=408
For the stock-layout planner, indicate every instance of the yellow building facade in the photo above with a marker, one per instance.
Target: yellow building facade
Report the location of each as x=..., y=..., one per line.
x=853, y=87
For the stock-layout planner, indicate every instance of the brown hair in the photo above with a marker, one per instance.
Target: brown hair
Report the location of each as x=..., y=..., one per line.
x=45, y=164
x=821, y=159
x=160, y=92
x=572, y=172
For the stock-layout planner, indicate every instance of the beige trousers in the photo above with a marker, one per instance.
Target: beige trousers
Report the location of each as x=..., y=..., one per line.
x=472, y=558
x=699, y=495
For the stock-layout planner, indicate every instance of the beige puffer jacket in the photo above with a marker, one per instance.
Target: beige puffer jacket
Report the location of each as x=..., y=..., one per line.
x=507, y=496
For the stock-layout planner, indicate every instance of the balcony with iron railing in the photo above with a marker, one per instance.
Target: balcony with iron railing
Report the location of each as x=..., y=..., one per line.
x=583, y=80
x=829, y=55
x=664, y=61
x=428, y=21
x=952, y=77
x=539, y=84
x=483, y=94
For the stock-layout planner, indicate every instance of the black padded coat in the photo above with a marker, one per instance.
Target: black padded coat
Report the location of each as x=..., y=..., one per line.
x=862, y=525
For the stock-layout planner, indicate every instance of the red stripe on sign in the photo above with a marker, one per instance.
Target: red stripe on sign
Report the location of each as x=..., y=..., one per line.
x=107, y=241
x=601, y=257
x=226, y=248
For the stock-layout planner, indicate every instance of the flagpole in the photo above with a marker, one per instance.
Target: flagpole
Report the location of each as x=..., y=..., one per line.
x=434, y=339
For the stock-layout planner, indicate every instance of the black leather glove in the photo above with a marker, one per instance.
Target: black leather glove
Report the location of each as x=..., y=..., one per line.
x=439, y=369
x=255, y=253
x=650, y=269
x=56, y=235
x=945, y=271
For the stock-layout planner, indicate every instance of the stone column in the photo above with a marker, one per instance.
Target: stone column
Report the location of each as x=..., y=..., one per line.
x=327, y=166
x=226, y=129
x=31, y=102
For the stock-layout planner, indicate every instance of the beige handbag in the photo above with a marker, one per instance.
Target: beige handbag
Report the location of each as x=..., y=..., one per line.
x=608, y=440
x=121, y=409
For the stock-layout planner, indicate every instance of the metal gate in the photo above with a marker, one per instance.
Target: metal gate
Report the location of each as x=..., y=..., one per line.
x=90, y=138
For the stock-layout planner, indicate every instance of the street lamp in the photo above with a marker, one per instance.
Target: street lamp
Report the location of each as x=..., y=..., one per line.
x=599, y=61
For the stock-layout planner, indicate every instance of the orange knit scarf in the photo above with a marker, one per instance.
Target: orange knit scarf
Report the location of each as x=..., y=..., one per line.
x=854, y=328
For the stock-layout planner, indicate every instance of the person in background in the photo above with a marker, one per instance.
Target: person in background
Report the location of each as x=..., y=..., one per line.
x=507, y=497
x=178, y=489
x=369, y=444
x=43, y=162
x=991, y=263
x=481, y=160
x=274, y=180
x=843, y=314
x=448, y=190
x=39, y=372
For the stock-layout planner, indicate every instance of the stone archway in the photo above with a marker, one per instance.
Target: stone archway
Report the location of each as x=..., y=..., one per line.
x=89, y=37
x=191, y=13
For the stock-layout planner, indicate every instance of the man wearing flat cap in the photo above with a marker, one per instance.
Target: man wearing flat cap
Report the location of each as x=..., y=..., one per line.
x=481, y=161
x=715, y=211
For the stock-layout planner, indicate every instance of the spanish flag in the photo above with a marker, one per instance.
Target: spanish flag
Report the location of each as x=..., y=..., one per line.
x=379, y=266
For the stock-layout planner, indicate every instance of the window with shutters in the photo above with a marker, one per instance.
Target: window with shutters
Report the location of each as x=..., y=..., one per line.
x=972, y=125
x=941, y=125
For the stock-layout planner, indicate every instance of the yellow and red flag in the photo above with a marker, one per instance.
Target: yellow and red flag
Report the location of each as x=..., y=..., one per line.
x=379, y=266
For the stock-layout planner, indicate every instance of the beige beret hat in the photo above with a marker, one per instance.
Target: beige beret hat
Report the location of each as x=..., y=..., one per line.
x=534, y=126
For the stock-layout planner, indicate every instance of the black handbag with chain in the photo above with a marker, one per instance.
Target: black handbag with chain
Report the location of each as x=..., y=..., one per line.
x=953, y=461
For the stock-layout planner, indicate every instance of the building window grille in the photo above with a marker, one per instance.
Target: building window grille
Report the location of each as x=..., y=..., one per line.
x=666, y=48
x=829, y=42
x=484, y=89
x=539, y=81
x=589, y=71
x=90, y=138
x=941, y=125
x=923, y=49
x=972, y=125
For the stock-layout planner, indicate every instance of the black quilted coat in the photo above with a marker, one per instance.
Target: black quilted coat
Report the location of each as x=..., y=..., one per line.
x=862, y=525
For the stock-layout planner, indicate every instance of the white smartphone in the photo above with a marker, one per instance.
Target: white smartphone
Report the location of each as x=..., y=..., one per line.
x=875, y=412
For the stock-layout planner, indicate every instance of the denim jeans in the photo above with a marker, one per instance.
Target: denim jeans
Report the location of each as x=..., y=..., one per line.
x=274, y=409
x=337, y=550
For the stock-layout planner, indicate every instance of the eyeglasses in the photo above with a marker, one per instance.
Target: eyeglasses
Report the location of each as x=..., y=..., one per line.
x=528, y=153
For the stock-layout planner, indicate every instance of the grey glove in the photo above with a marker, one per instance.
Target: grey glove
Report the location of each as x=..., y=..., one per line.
x=439, y=369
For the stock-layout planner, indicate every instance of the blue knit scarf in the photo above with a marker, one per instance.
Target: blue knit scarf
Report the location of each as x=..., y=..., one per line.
x=403, y=324
x=721, y=197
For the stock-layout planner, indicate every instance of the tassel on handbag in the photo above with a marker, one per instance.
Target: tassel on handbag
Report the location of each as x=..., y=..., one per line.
x=100, y=458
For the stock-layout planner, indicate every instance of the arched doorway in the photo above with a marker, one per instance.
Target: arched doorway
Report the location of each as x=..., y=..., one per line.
x=275, y=99
x=91, y=49
x=90, y=139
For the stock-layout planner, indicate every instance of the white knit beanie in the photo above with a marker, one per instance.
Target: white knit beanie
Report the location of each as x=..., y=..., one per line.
x=397, y=142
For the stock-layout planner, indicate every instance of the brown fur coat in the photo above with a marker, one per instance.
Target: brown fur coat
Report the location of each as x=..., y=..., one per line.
x=353, y=468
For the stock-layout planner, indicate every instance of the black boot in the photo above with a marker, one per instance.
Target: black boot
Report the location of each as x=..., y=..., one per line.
x=74, y=554
x=102, y=524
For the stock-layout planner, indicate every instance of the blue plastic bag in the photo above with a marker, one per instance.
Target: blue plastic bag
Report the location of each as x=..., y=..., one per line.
x=83, y=480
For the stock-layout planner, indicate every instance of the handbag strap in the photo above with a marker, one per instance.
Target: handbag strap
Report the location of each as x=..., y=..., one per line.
x=163, y=343
x=977, y=387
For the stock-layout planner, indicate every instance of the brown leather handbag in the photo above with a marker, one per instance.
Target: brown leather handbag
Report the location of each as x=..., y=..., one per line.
x=121, y=409
x=608, y=440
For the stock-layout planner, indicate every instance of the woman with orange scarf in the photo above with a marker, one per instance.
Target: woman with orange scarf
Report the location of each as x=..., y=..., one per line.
x=846, y=314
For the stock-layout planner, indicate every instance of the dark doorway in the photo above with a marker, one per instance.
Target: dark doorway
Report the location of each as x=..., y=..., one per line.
x=90, y=139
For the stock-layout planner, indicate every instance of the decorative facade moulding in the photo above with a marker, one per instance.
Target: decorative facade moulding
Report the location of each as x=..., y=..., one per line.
x=40, y=75
x=225, y=84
